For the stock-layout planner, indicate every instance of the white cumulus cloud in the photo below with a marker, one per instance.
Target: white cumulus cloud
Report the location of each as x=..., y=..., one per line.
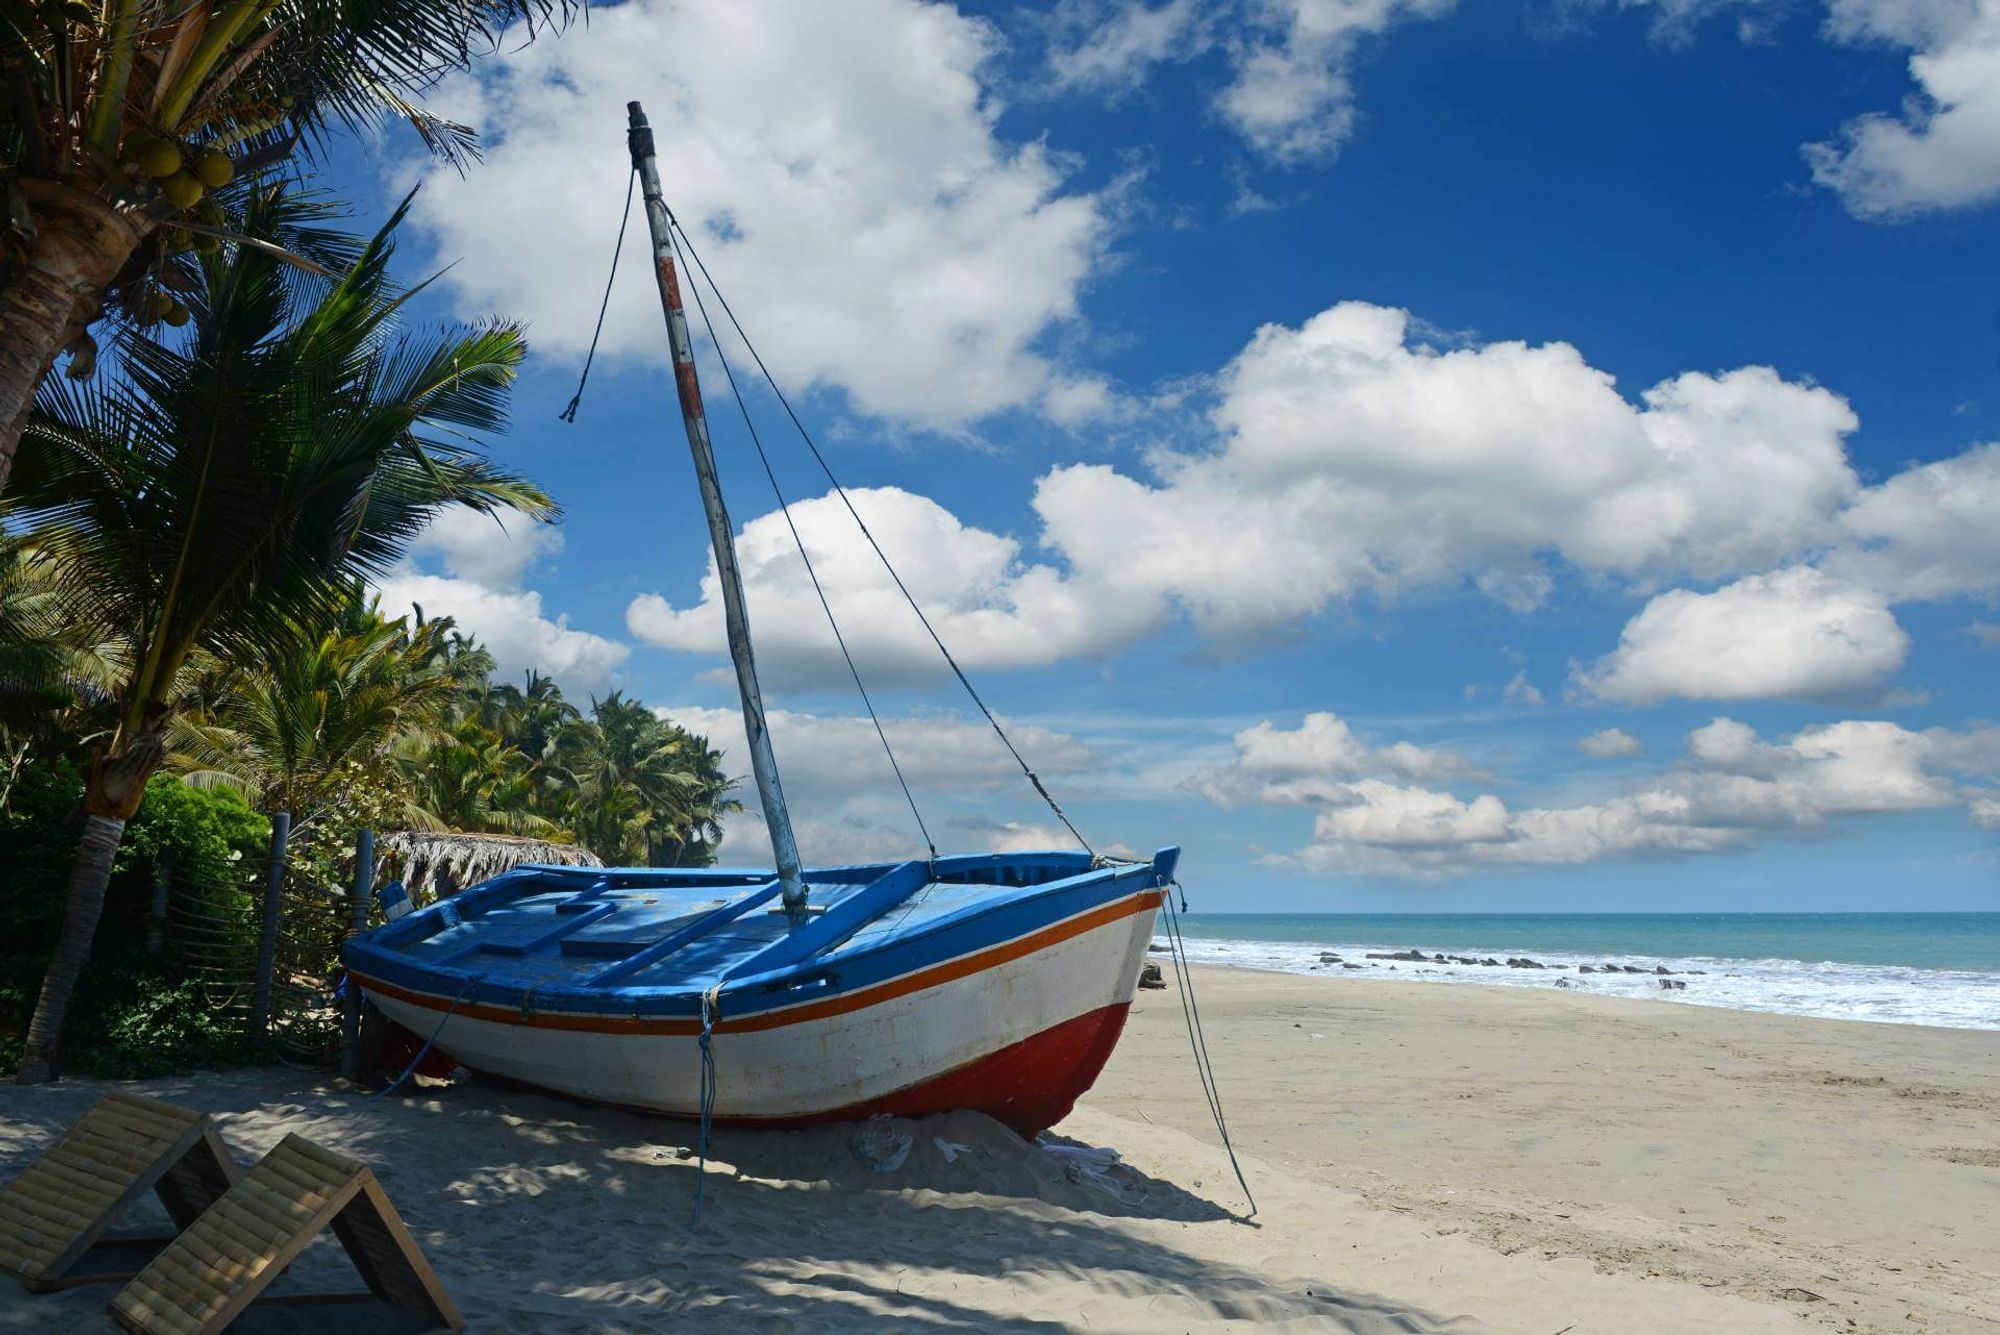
x=845, y=802
x=481, y=587
x=1312, y=763
x=1610, y=743
x=1110, y=46
x=489, y=550
x=1358, y=455
x=1826, y=630
x=1931, y=531
x=1290, y=89
x=1795, y=633
x=989, y=607
x=838, y=165
x=1941, y=150
x=1732, y=789
x=1293, y=96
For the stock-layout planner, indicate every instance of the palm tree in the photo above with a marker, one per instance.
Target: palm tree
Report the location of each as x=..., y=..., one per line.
x=534, y=714
x=473, y=779
x=229, y=484
x=283, y=729
x=646, y=791
x=55, y=683
x=119, y=117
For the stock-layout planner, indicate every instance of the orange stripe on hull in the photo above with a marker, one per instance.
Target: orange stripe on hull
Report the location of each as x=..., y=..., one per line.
x=949, y=971
x=1029, y=1086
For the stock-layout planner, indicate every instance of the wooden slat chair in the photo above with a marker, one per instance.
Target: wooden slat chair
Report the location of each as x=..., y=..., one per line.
x=224, y=1261
x=62, y=1205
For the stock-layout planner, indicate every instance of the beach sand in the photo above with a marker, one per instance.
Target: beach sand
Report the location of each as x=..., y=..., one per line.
x=1426, y=1158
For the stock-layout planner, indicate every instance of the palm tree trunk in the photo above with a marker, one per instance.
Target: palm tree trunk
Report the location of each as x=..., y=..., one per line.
x=88, y=877
x=116, y=787
x=81, y=242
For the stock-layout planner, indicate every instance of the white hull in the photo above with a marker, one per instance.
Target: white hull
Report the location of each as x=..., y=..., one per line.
x=820, y=1065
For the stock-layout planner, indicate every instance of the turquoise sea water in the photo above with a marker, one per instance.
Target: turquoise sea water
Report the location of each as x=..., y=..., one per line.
x=1910, y=968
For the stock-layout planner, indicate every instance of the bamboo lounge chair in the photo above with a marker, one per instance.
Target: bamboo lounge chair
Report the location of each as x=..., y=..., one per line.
x=58, y=1212
x=224, y=1261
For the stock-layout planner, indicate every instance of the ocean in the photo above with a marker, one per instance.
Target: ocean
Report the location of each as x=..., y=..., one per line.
x=1895, y=968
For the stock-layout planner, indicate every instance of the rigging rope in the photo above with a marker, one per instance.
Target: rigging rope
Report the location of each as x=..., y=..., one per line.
x=687, y=243
x=569, y=414
x=1197, y=1039
x=785, y=509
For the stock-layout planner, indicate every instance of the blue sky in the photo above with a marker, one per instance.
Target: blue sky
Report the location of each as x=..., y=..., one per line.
x=1415, y=455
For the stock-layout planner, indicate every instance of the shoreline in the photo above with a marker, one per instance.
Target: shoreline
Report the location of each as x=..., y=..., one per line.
x=1203, y=968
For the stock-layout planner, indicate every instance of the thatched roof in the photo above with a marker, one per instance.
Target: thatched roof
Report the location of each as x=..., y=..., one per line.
x=432, y=865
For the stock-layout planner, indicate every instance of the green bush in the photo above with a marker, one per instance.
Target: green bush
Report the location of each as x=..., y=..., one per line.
x=153, y=1028
x=128, y=1017
x=212, y=832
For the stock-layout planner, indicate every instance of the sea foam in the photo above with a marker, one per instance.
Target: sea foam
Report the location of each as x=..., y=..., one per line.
x=1885, y=993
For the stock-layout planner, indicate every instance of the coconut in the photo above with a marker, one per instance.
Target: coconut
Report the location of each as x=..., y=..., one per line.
x=175, y=314
x=159, y=159
x=213, y=168
x=210, y=212
x=182, y=190
x=82, y=358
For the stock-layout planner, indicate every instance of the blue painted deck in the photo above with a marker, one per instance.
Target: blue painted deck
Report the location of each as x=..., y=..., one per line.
x=650, y=941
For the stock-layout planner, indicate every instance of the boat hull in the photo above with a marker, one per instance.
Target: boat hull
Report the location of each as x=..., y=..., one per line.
x=1017, y=1029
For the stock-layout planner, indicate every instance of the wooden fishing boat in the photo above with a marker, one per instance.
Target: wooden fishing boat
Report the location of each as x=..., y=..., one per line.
x=990, y=982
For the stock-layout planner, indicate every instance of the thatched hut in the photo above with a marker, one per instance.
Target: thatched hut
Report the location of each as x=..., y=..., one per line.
x=432, y=865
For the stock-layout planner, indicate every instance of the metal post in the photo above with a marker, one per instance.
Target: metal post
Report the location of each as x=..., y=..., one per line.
x=357, y=899
x=763, y=763
x=267, y=937
x=156, y=916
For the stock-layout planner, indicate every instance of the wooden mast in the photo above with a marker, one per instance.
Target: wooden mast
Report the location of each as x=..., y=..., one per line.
x=639, y=136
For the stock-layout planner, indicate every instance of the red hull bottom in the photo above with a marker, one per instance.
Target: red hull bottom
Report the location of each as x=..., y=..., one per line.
x=1029, y=1086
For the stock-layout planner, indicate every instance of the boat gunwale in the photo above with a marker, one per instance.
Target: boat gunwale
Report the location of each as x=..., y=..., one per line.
x=753, y=994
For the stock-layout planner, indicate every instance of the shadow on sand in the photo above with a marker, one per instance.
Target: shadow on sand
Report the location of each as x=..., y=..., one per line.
x=542, y=1214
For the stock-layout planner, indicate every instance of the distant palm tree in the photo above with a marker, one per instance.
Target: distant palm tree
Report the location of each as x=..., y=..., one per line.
x=282, y=729
x=471, y=778
x=535, y=716
x=120, y=116
x=226, y=486
x=646, y=792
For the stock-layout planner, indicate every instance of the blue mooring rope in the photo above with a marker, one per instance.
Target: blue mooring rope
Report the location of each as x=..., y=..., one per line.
x=711, y=1001
x=424, y=1051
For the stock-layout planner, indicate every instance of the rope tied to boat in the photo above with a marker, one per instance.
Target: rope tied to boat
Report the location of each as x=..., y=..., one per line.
x=1197, y=1038
x=425, y=1050
x=711, y=1010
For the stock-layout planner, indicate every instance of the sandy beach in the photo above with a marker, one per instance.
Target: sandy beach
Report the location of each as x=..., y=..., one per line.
x=1426, y=1159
